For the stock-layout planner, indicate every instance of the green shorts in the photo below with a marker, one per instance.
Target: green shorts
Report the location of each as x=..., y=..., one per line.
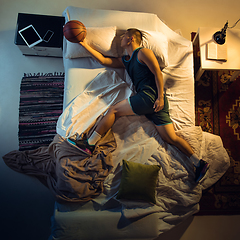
x=142, y=104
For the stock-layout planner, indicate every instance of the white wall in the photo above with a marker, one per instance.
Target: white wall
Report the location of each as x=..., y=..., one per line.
x=25, y=204
x=186, y=15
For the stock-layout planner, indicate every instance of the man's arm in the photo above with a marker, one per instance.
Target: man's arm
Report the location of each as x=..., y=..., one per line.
x=147, y=57
x=106, y=61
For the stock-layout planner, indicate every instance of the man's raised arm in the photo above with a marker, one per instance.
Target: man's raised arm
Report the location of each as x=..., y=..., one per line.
x=106, y=61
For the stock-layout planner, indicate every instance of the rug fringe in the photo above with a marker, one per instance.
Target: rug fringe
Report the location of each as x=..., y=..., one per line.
x=55, y=74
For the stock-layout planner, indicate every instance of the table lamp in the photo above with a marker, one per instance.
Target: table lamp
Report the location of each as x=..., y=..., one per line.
x=220, y=36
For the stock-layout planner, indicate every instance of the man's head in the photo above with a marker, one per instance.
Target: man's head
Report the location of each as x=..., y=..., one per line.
x=136, y=34
x=132, y=35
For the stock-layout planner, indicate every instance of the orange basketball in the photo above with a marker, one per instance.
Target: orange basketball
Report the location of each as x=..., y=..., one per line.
x=74, y=31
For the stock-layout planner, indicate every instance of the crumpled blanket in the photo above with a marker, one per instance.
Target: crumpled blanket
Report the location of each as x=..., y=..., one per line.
x=138, y=141
x=71, y=175
x=176, y=193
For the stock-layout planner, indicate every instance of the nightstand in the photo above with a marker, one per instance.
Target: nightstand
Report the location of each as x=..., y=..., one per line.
x=42, y=23
x=201, y=40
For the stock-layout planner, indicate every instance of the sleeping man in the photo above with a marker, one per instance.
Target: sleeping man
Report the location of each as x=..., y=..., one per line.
x=150, y=100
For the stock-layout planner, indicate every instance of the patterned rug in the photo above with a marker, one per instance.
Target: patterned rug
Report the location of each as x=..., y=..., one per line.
x=218, y=112
x=41, y=102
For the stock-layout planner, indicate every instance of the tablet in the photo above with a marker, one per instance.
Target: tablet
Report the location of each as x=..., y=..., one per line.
x=30, y=36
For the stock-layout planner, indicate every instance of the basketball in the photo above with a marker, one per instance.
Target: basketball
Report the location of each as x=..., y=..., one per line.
x=74, y=31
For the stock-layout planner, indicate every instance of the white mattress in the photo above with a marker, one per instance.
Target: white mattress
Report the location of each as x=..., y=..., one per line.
x=111, y=220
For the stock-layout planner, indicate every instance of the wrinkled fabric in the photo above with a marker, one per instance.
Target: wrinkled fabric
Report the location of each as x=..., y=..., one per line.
x=105, y=90
x=176, y=189
x=71, y=175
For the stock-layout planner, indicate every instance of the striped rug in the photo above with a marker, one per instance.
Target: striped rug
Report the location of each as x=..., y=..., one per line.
x=41, y=102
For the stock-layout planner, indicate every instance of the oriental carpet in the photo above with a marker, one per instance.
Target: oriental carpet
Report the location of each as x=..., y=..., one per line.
x=217, y=102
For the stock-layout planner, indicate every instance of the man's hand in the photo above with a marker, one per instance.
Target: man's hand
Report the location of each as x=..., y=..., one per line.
x=159, y=104
x=83, y=42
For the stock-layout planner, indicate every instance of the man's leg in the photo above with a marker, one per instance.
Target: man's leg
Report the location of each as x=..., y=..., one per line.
x=168, y=134
x=122, y=108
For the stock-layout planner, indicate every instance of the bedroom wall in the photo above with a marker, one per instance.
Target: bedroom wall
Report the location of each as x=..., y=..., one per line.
x=25, y=204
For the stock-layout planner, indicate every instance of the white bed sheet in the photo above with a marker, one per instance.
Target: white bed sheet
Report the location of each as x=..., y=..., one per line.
x=176, y=168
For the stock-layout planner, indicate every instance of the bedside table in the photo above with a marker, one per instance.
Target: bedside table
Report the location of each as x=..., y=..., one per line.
x=203, y=37
x=42, y=23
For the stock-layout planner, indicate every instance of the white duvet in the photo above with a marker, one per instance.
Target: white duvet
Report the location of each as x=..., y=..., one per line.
x=138, y=141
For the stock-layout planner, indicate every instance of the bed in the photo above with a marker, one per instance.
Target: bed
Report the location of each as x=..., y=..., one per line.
x=88, y=86
x=87, y=200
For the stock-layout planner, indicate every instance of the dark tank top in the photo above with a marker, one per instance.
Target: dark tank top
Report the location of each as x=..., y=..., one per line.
x=142, y=78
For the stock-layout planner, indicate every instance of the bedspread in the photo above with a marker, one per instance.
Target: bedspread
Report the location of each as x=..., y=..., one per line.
x=72, y=176
x=138, y=140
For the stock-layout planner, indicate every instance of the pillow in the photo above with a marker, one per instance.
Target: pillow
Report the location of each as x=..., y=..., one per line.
x=100, y=38
x=138, y=181
x=158, y=43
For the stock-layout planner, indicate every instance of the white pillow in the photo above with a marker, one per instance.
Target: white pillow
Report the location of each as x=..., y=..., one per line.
x=100, y=38
x=158, y=43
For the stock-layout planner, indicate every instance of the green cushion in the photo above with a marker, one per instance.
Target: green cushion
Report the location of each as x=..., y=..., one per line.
x=138, y=181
